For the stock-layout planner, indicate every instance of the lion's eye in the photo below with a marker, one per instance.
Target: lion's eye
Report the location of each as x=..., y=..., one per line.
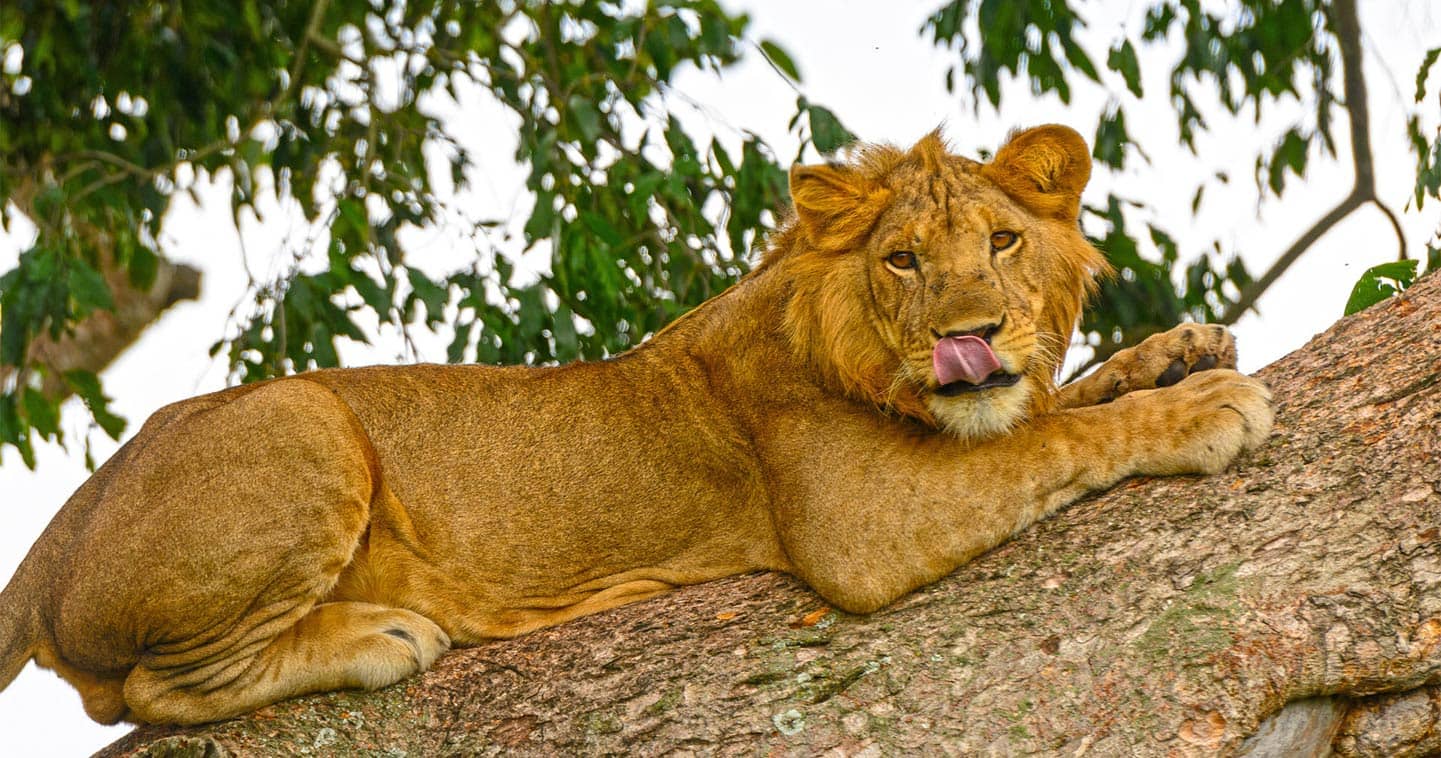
x=1002, y=240
x=902, y=259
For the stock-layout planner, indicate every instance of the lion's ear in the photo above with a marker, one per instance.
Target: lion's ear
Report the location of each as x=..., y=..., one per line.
x=1044, y=169
x=835, y=205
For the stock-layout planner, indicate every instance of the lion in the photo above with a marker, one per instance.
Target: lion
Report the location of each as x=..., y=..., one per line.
x=872, y=406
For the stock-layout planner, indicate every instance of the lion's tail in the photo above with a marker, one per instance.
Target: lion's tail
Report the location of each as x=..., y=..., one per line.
x=17, y=628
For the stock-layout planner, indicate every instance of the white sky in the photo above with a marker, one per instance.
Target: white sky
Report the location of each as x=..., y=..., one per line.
x=867, y=63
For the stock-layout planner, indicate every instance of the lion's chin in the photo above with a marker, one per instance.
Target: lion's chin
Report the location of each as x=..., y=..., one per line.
x=982, y=414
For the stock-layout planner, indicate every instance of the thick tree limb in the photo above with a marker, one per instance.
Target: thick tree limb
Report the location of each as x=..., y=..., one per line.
x=1168, y=616
x=102, y=336
x=93, y=342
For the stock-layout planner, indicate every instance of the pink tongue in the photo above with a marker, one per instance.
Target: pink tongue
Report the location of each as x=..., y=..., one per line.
x=963, y=359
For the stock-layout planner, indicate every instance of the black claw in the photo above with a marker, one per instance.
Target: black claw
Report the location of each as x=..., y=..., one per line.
x=1173, y=373
x=1206, y=363
x=402, y=634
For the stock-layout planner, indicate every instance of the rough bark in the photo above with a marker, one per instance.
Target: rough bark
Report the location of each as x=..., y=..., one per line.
x=1284, y=606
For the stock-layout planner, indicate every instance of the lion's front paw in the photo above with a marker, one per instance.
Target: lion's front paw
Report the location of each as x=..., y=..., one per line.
x=1214, y=417
x=1160, y=360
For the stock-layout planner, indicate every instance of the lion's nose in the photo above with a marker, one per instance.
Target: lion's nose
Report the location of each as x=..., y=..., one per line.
x=984, y=330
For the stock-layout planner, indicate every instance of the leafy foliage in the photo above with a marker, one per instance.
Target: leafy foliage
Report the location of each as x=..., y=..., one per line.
x=1380, y=282
x=1428, y=153
x=110, y=109
x=1248, y=55
x=108, y=106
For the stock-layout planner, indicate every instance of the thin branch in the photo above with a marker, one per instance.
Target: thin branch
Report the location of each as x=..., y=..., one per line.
x=1250, y=294
x=1353, y=83
x=98, y=184
x=115, y=160
x=1348, y=35
x=1395, y=226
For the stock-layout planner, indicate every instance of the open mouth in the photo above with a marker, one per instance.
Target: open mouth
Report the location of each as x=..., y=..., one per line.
x=996, y=379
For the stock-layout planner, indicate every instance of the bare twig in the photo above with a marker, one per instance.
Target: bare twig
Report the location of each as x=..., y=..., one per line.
x=1395, y=226
x=1250, y=294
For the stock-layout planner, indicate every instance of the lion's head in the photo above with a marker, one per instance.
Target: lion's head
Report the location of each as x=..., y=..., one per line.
x=938, y=287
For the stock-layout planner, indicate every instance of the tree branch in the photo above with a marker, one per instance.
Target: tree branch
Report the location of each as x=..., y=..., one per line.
x=1348, y=34
x=1353, y=83
x=297, y=66
x=1186, y=615
x=1395, y=227
x=1253, y=292
x=93, y=342
x=98, y=339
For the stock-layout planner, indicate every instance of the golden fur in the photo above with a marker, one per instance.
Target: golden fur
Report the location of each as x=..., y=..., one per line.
x=342, y=528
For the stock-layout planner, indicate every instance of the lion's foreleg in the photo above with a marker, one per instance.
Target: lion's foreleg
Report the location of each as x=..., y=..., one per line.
x=1158, y=361
x=863, y=527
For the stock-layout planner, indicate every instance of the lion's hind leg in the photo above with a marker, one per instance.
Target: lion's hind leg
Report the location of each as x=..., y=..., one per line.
x=201, y=575
x=345, y=645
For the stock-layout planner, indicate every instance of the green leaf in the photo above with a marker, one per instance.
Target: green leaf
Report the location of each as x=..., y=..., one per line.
x=1379, y=283
x=601, y=227
x=42, y=412
x=530, y=316
x=87, y=388
x=567, y=342
x=375, y=297
x=827, y=132
x=1078, y=58
x=586, y=117
x=1112, y=139
x=1289, y=155
x=1122, y=59
x=88, y=288
x=1238, y=275
x=352, y=216
x=428, y=292
x=782, y=60
x=144, y=265
x=1424, y=71
x=542, y=218
x=15, y=431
